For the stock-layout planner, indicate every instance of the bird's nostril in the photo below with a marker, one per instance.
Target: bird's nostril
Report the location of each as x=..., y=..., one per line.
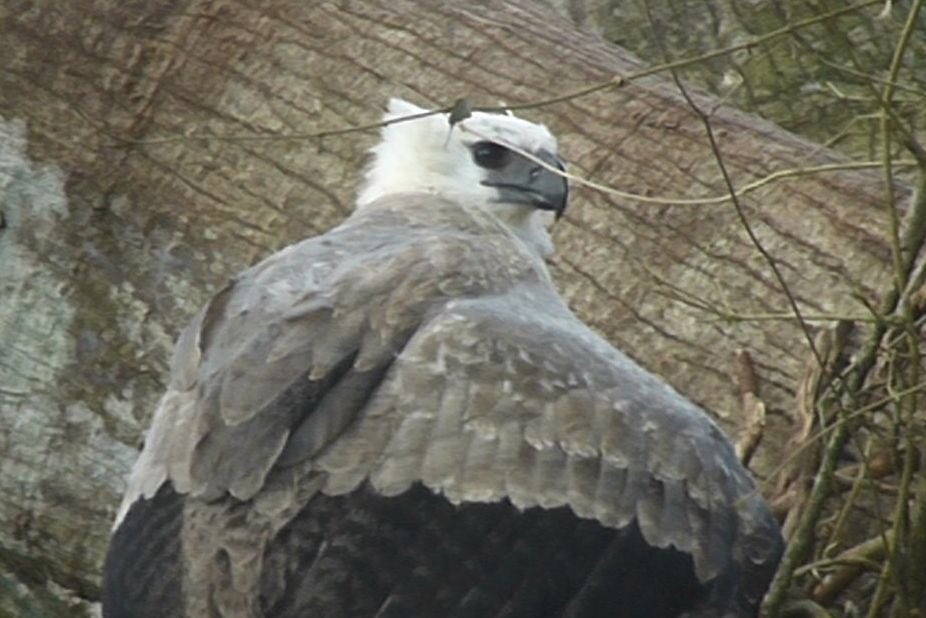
x=535, y=172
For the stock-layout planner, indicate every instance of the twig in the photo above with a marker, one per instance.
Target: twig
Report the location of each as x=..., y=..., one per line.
x=667, y=201
x=872, y=78
x=793, y=478
x=886, y=99
x=916, y=230
x=855, y=487
x=802, y=541
x=785, y=316
x=899, y=124
x=751, y=43
x=800, y=545
x=797, y=550
x=614, y=82
x=846, y=419
x=723, y=314
x=805, y=608
x=753, y=408
x=896, y=568
x=854, y=560
x=853, y=482
x=740, y=213
x=726, y=197
x=286, y=136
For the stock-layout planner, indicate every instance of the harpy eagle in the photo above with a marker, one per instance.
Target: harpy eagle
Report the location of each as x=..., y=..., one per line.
x=402, y=418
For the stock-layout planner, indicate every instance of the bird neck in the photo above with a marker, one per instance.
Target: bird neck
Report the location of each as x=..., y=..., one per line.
x=527, y=223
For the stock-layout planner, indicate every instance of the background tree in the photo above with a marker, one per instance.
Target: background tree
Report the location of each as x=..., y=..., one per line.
x=120, y=219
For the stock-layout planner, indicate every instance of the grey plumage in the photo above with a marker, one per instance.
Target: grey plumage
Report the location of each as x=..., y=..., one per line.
x=422, y=342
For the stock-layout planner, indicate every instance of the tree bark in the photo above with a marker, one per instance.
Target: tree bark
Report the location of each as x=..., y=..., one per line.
x=109, y=245
x=820, y=81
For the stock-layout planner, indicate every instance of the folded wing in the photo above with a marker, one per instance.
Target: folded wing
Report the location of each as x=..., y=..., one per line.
x=425, y=345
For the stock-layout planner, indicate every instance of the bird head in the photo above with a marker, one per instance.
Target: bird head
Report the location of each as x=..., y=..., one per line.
x=475, y=161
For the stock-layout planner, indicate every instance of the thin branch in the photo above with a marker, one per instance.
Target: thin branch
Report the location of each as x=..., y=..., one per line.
x=872, y=78
x=740, y=212
x=886, y=100
x=844, y=421
x=854, y=562
x=898, y=123
x=784, y=316
x=372, y=126
x=668, y=201
x=749, y=44
x=797, y=550
x=856, y=485
x=805, y=608
x=726, y=197
x=614, y=82
x=752, y=407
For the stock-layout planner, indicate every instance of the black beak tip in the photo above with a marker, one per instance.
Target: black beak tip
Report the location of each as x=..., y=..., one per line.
x=551, y=203
x=563, y=202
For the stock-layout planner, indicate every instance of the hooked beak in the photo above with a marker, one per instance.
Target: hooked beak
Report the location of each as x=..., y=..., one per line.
x=526, y=182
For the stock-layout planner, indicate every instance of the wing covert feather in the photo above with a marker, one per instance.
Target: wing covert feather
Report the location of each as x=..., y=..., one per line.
x=281, y=361
x=568, y=420
x=436, y=350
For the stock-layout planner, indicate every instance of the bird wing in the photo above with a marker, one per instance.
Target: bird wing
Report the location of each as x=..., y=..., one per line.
x=285, y=356
x=420, y=342
x=511, y=396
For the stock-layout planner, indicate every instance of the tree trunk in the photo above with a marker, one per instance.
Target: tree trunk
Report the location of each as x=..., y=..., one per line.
x=816, y=81
x=110, y=245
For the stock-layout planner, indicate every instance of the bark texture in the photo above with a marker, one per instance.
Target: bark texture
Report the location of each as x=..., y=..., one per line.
x=109, y=247
x=815, y=81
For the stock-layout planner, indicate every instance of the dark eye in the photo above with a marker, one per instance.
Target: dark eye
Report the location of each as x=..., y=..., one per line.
x=490, y=155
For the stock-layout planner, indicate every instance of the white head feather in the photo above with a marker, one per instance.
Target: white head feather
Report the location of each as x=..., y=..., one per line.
x=425, y=156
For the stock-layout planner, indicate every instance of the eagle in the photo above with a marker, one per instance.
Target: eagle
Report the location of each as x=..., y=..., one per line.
x=402, y=418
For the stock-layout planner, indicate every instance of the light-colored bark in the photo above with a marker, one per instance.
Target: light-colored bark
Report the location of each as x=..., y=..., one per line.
x=108, y=248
